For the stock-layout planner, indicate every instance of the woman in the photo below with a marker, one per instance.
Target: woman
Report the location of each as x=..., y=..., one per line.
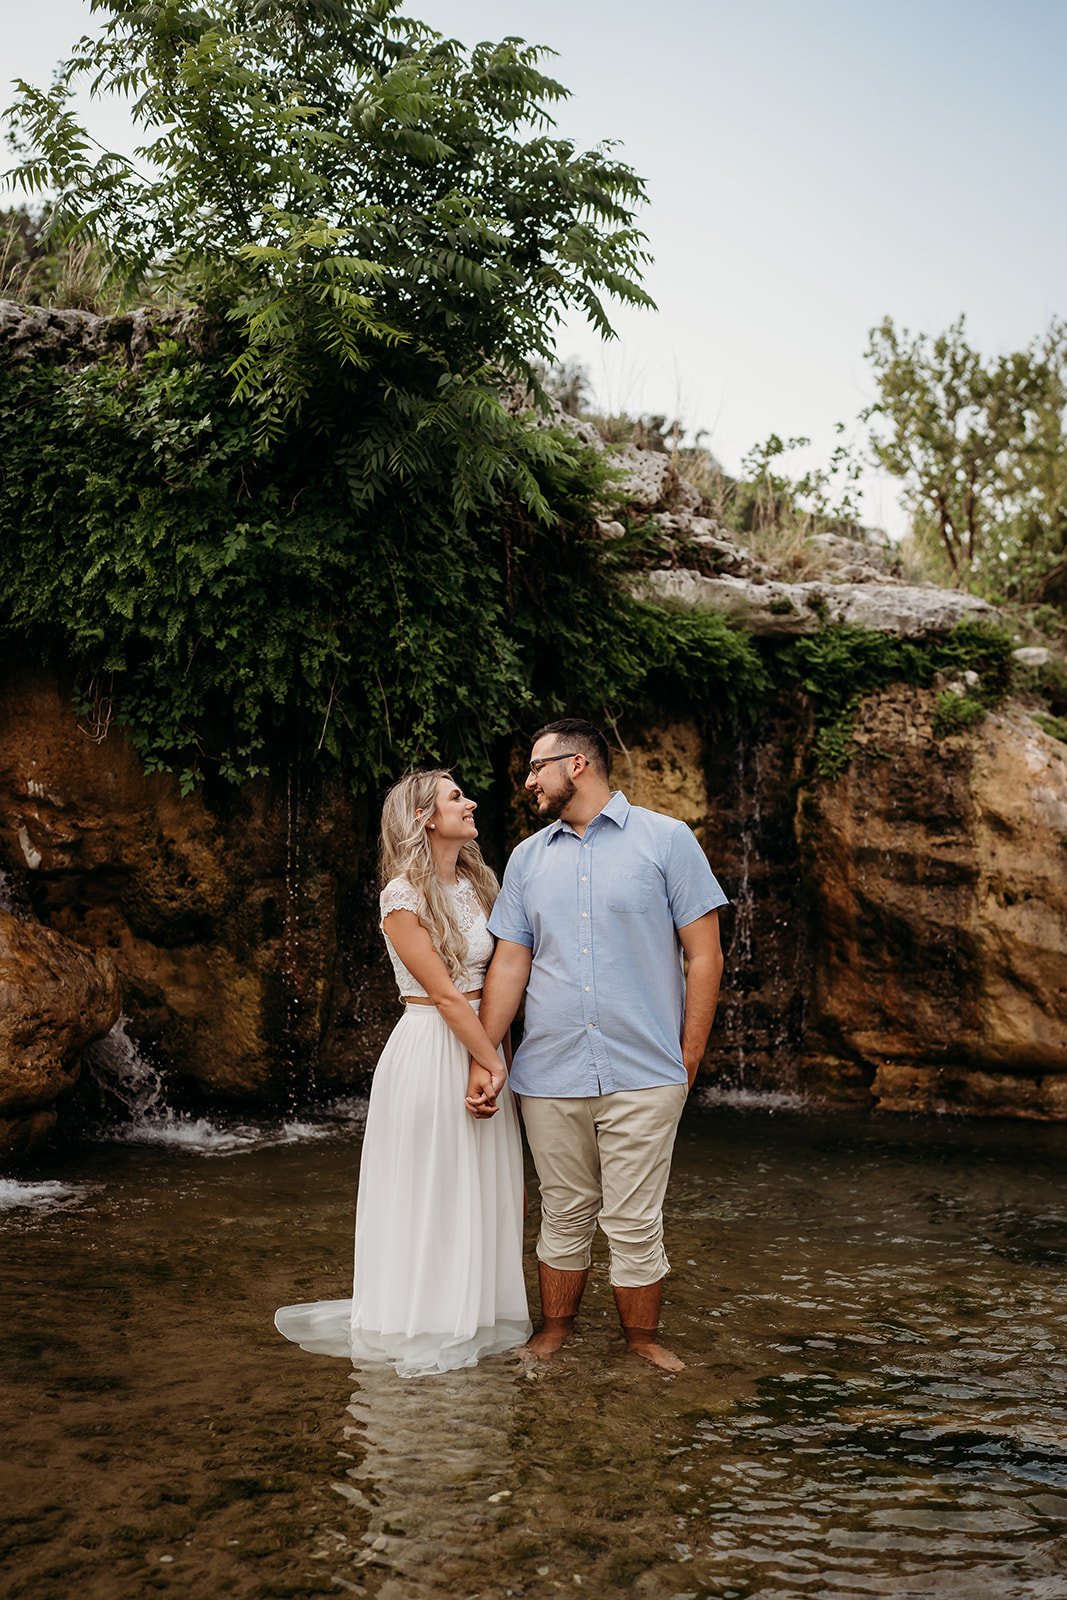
x=438, y=1278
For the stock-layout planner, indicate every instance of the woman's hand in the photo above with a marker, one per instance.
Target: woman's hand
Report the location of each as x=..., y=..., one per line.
x=483, y=1087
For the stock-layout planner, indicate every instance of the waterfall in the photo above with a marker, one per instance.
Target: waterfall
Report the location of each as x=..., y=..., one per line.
x=738, y=977
x=131, y=1085
x=126, y=1078
x=757, y=988
x=299, y=1051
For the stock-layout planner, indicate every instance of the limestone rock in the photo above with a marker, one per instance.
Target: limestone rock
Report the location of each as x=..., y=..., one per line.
x=703, y=545
x=856, y=560
x=649, y=481
x=55, y=998
x=788, y=610
x=938, y=876
x=46, y=334
x=1033, y=655
x=663, y=769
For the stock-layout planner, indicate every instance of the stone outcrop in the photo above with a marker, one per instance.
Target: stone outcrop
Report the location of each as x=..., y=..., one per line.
x=776, y=609
x=221, y=918
x=936, y=874
x=55, y=998
x=45, y=334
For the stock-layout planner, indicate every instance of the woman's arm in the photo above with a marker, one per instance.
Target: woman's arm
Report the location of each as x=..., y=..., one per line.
x=412, y=943
x=505, y=984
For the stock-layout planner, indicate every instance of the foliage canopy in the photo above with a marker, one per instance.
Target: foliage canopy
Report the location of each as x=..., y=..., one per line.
x=981, y=445
x=324, y=522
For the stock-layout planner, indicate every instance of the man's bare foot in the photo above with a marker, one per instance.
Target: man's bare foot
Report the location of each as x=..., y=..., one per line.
x=659, y=1357
x=547, y=1340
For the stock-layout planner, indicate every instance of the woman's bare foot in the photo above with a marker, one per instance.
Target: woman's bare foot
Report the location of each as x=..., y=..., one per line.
x=648, y=1350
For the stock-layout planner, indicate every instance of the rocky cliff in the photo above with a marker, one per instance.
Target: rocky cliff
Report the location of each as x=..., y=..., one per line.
x=897, y=937
x=898, y=932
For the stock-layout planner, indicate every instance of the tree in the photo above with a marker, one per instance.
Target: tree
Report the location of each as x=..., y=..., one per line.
x=351, y=189
x=981, y=447
x=325, y=524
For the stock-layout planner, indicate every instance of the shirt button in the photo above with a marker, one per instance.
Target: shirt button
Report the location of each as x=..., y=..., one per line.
x=585, y=847
x=585, y=950
x=592, y=1024
x=585, y=913
x=587, y=988
x=585, y=877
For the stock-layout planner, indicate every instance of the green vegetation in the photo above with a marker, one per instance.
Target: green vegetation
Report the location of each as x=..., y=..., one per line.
x=1056, y=727
x=323, y=522
x=228, y=601
x=981, y=447
x=838, y=667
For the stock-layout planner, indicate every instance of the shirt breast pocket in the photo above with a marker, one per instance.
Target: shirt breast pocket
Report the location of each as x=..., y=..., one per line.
x=630, y=889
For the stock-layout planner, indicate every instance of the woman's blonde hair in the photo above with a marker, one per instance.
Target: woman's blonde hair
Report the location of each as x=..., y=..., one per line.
x=405, y=853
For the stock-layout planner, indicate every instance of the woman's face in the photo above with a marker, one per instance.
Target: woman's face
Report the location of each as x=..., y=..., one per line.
x=453, y=815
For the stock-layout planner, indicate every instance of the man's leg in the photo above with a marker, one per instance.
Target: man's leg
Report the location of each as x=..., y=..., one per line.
x=562, y=1140
x=635, y=1135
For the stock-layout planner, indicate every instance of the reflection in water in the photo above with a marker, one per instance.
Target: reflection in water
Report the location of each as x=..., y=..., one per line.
x=435, y=1463
x=874, y=1313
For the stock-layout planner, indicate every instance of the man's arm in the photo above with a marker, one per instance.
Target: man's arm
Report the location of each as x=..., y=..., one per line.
x=703, y=953
x=505, y=984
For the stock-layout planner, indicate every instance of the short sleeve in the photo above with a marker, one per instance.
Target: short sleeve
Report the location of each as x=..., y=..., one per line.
x=692, y=888
x=508, y=919
x=399, y=895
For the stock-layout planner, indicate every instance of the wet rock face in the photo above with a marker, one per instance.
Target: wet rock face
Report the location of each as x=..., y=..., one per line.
x=896, y=937
x=55, y=998
x=221, y=918
x=937, y=875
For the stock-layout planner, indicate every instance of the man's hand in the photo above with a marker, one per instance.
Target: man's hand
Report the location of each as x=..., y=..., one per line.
x=483, y=1087
x=692, y=1067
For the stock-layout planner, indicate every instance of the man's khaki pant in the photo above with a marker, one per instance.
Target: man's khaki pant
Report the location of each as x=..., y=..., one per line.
x=605, y=1159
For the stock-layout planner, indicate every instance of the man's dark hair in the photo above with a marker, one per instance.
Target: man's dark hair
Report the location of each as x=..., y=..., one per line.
x=586, y=738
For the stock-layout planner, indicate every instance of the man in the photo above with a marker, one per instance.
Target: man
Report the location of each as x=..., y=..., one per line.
x=593, y=918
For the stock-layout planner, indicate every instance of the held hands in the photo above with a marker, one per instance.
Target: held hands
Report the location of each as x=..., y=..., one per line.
x=483, y=1087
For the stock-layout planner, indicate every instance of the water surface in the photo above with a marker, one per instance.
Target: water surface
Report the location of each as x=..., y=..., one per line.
x=875, y=1313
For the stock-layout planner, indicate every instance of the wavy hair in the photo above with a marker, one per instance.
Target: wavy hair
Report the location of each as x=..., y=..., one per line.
x=404, y=852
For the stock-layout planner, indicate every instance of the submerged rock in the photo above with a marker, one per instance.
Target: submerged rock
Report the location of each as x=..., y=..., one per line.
x=55, y=998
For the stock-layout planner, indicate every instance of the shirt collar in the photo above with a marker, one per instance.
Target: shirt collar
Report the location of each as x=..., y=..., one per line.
x=616, y=810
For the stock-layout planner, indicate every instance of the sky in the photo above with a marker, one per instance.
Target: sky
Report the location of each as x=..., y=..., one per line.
x=813, y=166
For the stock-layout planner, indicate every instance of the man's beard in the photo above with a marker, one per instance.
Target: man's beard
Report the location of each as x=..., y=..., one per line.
x=555, y=805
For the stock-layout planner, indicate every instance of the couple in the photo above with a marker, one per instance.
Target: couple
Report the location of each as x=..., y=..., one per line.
x=590, y=924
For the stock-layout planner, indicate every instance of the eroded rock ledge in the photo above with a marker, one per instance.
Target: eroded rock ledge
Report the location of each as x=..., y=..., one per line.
x=52, y=336
x=772, y=608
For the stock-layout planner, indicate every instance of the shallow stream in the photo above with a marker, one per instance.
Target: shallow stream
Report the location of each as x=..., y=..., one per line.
x=874, y=1312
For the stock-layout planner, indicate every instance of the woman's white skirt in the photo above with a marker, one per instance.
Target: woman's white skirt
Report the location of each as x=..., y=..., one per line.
x=438, y=1272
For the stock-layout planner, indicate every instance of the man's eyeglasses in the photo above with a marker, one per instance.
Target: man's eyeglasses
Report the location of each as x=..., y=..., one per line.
x=542, y=761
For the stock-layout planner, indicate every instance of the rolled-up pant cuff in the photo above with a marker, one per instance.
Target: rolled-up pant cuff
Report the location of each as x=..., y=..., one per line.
x=638, y=1274
x=565, y=1261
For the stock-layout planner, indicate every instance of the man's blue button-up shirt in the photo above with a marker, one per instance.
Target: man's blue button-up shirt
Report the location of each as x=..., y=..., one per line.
x=606, y=997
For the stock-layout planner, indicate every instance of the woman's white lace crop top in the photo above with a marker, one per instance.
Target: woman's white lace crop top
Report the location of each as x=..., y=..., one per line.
x=399, y=895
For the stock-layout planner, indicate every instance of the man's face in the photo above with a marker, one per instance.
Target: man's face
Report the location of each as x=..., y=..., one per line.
x=551, y=785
